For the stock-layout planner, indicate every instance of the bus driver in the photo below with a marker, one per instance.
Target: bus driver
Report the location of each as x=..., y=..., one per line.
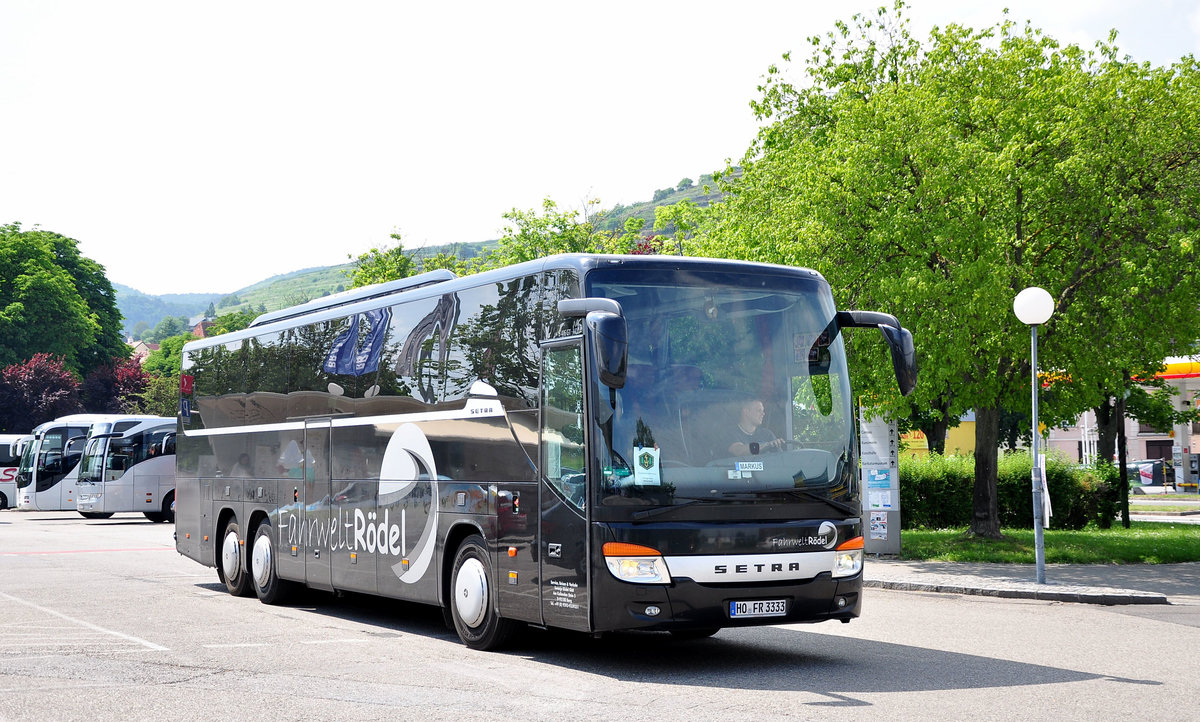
x=750, y=436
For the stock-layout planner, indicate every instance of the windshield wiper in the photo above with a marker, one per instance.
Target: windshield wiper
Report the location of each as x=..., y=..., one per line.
x=648, y=513
x=803, y=493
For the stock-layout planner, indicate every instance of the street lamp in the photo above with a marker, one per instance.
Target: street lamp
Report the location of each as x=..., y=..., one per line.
x=1033, y=307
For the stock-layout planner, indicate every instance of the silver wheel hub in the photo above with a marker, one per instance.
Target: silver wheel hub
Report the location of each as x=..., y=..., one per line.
x=230, y=555
x=260, y=561
x=471, y=592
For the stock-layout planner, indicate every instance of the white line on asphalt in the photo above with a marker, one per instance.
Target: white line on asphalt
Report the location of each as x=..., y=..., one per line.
x=89, y=625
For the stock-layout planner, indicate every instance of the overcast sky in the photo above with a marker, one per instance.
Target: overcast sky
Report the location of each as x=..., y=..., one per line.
x=201, y=147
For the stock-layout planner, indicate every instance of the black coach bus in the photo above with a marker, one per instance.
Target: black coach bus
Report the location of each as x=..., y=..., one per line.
x=588, y=442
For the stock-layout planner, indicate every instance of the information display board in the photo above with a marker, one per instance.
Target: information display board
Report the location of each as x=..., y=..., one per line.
x=879, y=447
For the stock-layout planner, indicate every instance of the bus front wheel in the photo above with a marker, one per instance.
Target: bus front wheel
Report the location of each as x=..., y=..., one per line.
x=229, y=565
x=472, y=600
x=168, y=511
x=269, y=588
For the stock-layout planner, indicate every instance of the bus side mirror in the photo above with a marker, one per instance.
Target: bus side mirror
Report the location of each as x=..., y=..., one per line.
x=904, y=357
x=610, y=346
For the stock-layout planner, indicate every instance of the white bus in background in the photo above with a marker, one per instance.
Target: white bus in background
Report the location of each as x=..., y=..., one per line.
x=47, y=474
x=130, y=469
x=10, y=460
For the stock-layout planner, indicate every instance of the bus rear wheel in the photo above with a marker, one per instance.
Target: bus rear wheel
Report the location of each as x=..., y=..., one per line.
x=268, y=587
x=229, y=565
x=472, y=601
x=95, y=514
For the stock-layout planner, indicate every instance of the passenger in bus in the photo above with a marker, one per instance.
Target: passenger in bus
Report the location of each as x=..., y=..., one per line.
x=750, y=436
x=242, y=469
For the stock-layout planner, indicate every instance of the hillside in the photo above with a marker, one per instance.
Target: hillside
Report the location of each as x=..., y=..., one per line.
x=614, y=218
x=137, y=307
x=289, y=289
x=271, y=294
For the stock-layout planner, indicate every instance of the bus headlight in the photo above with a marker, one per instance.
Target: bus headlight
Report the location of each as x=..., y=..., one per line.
x=636, y=563
x=848, y=558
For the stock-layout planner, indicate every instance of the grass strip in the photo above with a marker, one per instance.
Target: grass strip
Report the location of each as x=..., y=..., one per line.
x=1142, y=543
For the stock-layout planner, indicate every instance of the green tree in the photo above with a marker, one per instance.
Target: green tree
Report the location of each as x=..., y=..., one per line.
x=166, y=359
x=530, y=235
x=160, y=397
x=166, y=328
x=382, y=264
x=97, y=292
x=234, y=321
x=43, y=307
x=685, y=184
x=936, y=181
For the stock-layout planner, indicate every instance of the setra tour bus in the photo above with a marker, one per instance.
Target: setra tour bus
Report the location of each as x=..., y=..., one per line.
x=128, y=466
x=588, y=442
x=49, y=463
x=10, y=460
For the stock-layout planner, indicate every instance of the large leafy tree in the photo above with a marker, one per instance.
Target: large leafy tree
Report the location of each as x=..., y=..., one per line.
x=937, y=180
x=40, y=309
x=54, y=300
x=97, y=292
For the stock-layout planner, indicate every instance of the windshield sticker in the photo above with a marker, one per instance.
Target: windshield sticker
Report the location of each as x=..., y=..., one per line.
x=646, y=468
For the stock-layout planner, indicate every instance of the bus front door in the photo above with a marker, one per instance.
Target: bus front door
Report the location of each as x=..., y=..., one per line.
x=563, y=532
x=317, y=502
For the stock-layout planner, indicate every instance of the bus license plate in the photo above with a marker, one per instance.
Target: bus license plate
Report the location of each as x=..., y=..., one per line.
x=758, y=608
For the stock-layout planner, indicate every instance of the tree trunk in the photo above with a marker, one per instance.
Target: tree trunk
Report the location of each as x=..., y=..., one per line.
x=935, y=431
x=935, y=436
x=1106, y=432
x=985, y=521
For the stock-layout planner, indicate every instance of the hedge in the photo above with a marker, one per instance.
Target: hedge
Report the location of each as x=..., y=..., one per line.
x=938, y=492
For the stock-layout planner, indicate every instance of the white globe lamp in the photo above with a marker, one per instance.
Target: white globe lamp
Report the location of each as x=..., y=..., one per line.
x=1033, y=306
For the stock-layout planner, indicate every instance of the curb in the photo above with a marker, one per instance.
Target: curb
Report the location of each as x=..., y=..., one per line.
x=1021, y=590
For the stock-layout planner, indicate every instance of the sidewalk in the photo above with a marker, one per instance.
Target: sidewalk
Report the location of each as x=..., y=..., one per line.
x=1082, y=583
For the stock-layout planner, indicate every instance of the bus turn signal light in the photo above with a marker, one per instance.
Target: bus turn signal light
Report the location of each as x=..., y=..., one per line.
x=636, y=563
x=848, y=558
x=621, y=549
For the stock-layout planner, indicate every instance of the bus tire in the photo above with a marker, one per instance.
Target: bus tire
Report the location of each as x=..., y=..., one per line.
x=472, y=601
x=268, y=587
x=229, y=563
x=168, y=508
x=3, y=501
x=96, y=514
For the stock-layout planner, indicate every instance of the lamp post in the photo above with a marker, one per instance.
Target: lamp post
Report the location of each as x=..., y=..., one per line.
x=1033, y=307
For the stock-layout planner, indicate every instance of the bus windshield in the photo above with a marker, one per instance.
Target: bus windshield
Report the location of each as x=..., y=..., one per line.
x=736, y=394
x=91, y=466
x=25, y=467
x=108, y=458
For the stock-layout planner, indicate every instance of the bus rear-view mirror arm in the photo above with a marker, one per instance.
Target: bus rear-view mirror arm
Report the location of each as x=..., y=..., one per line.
x=899, y=341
